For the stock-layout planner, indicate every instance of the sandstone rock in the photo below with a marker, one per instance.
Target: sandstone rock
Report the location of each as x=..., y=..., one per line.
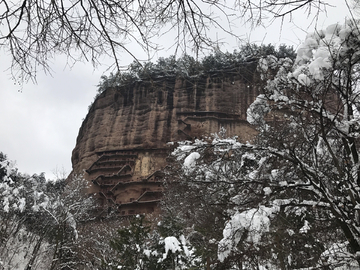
x=122, y=143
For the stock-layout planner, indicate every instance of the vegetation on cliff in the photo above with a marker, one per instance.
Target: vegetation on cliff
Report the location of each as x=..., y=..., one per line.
x=239, y=63
x=188, y=67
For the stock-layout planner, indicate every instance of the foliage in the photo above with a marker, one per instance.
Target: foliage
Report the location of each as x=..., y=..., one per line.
x=225, y=185
x=130, y=245
x=319, y=150
x=187, y=67
x=211, y=174
x=297, y=183
x=208, y=174
x=140, y=246
x=40, y=219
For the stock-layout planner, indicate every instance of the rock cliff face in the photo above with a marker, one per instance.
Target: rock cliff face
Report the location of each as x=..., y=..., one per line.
x=122, y=143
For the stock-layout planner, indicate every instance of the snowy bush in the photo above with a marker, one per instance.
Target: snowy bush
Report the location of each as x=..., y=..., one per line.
x=140, y=246
x=40, y=220
x=292, y=195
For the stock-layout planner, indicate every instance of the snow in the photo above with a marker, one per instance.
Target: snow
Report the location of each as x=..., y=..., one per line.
x=274, y=174
x=254, y=221
x=6, y=204
x=304, y=80
x=186, y=147
x=22, y=204
x=147, y=252
x=290, y=232
x=190, y=160
x=283, y=183
x=257, y=110
x=267, y=191
x=253, y=175
x=321, y=49
x=184, y=244
x=319, y=63
x=263, y=65
x=72, y=223
x=171, y=244
x=336, y=253
x=304, y=229
x=320, y=147
x=278, y=96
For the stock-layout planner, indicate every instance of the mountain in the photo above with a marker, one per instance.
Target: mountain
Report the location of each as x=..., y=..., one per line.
x=124, y=140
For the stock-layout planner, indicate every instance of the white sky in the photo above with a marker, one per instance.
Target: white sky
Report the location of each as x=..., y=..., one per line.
x=40, y=123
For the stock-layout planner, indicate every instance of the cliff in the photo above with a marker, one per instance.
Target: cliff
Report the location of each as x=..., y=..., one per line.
x=122, y=143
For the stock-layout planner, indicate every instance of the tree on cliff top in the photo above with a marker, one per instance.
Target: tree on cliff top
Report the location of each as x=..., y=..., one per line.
x=33, y=32
x=189, y=68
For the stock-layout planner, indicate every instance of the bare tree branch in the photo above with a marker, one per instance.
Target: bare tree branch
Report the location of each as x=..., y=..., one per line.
x=35, y=31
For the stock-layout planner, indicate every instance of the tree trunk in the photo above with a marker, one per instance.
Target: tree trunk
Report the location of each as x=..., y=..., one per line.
x=34, y=254
x=354, y=245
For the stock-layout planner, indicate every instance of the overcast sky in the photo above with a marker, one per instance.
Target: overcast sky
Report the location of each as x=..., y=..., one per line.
x=40, y=122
